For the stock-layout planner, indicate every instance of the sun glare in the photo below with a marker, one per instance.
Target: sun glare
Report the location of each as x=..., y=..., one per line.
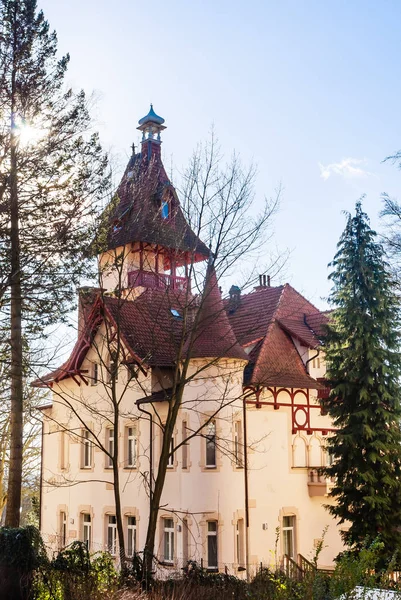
x=28, y=134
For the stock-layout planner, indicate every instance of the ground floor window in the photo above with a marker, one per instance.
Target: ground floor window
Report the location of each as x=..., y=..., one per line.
x=112, y=534
x=131, y=536
x=63, y=529
x=240, y=542
x=87, y=529
x=168, y=536
x=212, y=545
x=289, y=536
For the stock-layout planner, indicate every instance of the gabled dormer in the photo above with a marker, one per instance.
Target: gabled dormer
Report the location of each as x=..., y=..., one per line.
x=147, y=226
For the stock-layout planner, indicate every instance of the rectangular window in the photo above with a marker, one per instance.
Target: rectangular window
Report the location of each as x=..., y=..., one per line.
x=110, y=447
x=131, y=536
x=63, y=449
x=238, y=444
x=289, y=536
x=170, y=463
x=95, y=374
x=168, y=546
x=87, y=530
x=185, y=445
x=87, y=450
x=63, y=530
x=132, y=446
x=211, y=444
x=212, y=545
x=112, y=534
x=185, y=542
x=240, y=542
x=113, y=367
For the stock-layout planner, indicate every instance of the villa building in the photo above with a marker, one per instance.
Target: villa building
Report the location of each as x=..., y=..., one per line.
x=242, y=485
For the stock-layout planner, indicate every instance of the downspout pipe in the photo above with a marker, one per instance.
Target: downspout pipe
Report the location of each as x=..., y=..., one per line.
x=246, y=489
x=309, y=360
x=138, y=403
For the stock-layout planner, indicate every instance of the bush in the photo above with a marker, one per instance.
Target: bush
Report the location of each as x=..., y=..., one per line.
x=21, y=553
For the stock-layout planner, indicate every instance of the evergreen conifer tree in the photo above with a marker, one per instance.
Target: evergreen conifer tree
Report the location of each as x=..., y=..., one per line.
x=52, y=174
x=363, y=370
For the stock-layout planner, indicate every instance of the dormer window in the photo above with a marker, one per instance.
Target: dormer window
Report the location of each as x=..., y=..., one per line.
x=165, y=209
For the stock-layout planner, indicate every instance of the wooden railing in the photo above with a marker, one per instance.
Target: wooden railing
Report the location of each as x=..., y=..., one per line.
x=301, y=568
x=149, y=279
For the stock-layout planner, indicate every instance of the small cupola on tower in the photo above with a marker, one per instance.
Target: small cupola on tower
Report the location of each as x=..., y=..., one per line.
x=151, y=126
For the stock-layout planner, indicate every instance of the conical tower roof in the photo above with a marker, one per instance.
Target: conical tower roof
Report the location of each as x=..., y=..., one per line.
x=214, y=336
x=143, y=192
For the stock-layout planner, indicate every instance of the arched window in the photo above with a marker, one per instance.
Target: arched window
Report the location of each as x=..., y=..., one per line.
x=299, y=452
x=315, y=452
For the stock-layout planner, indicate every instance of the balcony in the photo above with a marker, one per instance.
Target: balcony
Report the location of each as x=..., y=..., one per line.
x=318, y=485
x=159, y=281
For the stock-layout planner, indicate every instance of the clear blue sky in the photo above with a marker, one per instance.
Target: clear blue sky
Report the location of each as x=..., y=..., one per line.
x=308, y=90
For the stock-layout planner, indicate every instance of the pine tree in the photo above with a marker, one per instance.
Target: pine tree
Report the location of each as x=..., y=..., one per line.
x=52, y=174
x=363, y=370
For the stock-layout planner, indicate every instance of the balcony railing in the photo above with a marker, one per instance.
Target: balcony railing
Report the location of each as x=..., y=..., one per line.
x=318, y=484
x=151, y=280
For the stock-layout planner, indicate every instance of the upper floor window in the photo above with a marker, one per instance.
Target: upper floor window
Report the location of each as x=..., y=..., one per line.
x=132, y=446
x=211, y=444
x=110, y=447
x=113, y=367
x=184, y=445
x=165, y=209
x=238, y=445
x=95, y=374
x=87, y=450
x=170, y=462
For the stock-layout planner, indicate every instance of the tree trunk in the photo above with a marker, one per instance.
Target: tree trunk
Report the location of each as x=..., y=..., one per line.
x=117, y=497
x=16, y=424
x=158, y=489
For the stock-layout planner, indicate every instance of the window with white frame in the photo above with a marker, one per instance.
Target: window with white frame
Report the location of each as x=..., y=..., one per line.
x=132, y=445
x=131, y=536
x=168, y=540
x=87, y=450
x=170, y=463
x=63, y=449
x=63, y=529
x=212, y=545
x=211, y=444
x=112, y=534
x=184, y=445
x=239, y=538
x=86, y=521
x=110, y=447
x=95, y=374
x=238, y=444
x=289, y=536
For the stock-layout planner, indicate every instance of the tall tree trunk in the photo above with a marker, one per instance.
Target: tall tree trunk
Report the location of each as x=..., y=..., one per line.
x=16, y=424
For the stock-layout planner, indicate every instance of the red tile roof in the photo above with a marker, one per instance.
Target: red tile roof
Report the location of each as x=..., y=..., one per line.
x=268, y=317
x=213, y=335
x=279, y=363
x=276, y=315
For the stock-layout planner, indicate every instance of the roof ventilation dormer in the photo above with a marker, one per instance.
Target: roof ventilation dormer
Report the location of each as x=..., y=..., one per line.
x=235, y=298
